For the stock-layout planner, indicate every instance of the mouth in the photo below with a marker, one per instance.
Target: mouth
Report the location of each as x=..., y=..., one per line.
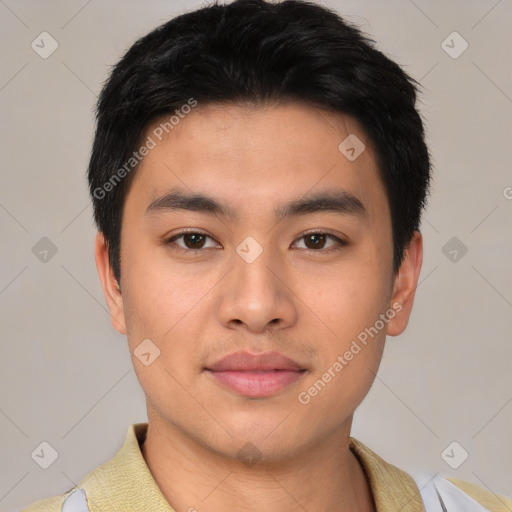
x=256, y=375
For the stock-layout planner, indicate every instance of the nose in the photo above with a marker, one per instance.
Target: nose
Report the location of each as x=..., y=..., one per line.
x=256, y=296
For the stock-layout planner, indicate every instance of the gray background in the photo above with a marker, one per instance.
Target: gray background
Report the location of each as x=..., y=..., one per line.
x=65, y=375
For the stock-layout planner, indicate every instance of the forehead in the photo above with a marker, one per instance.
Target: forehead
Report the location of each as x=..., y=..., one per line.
x=259, y=156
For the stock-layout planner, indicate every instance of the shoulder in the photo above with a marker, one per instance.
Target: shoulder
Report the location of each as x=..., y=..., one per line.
x=108, y=483
x=454, y=494
x=53, y=504
x=488, y=499
x=72, y=501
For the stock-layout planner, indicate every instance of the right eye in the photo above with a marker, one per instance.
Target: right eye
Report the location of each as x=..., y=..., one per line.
x=192, y=241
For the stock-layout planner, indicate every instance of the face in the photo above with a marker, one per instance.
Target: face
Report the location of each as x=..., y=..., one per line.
x=285, y=265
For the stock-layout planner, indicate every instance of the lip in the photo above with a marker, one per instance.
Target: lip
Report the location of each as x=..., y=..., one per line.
x=256, y=375
x=245, y=361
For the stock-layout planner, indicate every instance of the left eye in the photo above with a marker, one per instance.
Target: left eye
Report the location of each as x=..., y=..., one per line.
x=195, y=241
x=317, y=240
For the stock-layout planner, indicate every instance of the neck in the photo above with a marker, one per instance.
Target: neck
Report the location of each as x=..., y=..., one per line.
x=191, y=476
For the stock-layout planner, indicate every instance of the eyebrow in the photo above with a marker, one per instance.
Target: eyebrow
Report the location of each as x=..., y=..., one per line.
x=340, y=201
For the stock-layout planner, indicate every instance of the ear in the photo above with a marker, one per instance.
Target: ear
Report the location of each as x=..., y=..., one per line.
x=405, y=283
x=109, y=284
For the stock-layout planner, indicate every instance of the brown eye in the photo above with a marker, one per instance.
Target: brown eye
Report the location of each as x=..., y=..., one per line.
x=317, y=242
x=194, y=240
x=190, y=241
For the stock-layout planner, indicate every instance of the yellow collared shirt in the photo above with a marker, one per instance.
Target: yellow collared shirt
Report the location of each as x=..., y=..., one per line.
x=125, y=484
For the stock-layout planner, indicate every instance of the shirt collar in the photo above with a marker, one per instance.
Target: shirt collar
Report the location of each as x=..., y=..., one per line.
x=393, y=489
x=125, y=484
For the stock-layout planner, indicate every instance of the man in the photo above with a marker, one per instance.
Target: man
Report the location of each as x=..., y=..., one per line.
x=258, y=176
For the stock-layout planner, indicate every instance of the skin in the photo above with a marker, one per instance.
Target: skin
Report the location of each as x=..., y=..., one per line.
x=307, y=303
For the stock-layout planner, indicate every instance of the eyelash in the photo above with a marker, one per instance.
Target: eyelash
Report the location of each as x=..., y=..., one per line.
x=340, y=242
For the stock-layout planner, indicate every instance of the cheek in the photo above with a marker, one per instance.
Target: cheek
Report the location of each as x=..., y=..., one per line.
x=161, y=306
x=166, y=304
x=352, y=347
x=159, y=294
x=350, y=299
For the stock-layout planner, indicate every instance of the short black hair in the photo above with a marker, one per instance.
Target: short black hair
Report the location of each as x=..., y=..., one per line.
x=259, y=53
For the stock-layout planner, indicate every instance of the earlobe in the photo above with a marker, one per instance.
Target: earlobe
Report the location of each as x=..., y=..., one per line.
x=111, y=288
x=405, y=284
